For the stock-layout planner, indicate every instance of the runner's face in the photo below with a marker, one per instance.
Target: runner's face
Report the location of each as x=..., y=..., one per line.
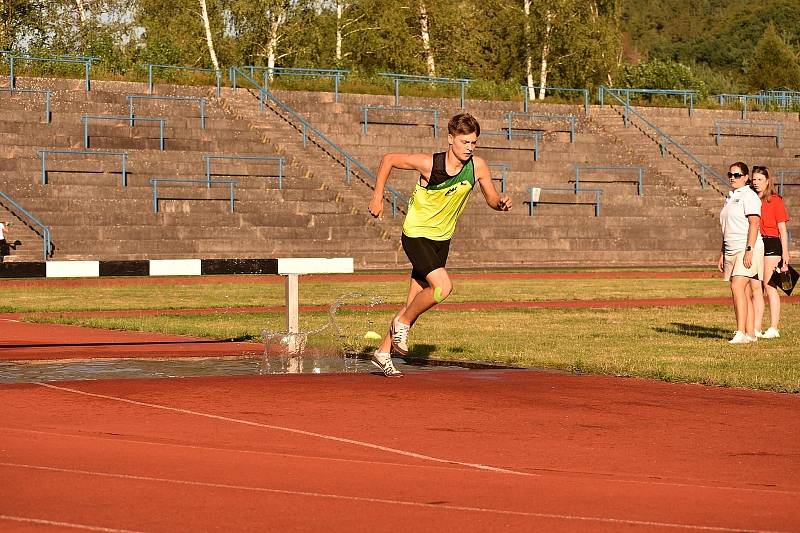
x=463, y=145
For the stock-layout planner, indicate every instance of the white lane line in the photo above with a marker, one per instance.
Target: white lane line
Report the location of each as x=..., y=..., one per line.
x=362, y=444
x=41, y=521
x=364, y=499
x=563, y=474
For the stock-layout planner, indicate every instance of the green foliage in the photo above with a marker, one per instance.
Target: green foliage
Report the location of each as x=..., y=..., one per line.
x=720, y=34
x=657, y=74
x=774, y=65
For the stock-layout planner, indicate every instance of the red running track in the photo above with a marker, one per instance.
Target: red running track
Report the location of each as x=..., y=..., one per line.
x=434, y=451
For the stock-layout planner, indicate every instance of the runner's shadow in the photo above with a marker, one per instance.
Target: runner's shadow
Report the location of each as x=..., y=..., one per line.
x=692, y=330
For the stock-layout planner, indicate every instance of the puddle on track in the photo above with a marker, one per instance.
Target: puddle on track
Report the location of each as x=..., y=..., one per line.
x=99, y=369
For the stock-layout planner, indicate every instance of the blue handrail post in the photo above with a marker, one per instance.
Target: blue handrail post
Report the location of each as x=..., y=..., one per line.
x=702, y=177
x=436, y=122
x=44, y=168
x=232, y=76
x=218, y=75
x=85, y=121
x=397, y=91
x=230, y=185
x=586, y=101
x=779, y=135
x=161, y=133
x=280, y=173
x=525, y=95
x=154, y=183
x=347, y=170
x=366, y=127
x=12, y=78
x=717, y=133
x=305, y=134
x=572, y=130
x=463, y=90
x=86, y=71
x=577, y=178
x=336, y=79
x=125, y=169
x=597, y=199
x=601, y=95
x=208, y=170
x=641, y=182
x=691, y=104
x=150, y=79
x=536, y=137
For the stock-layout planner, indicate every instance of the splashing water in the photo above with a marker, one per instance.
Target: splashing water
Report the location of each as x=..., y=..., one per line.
x=330, y=347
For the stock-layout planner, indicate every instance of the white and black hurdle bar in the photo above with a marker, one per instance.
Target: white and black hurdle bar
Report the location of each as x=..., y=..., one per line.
x=292, y=268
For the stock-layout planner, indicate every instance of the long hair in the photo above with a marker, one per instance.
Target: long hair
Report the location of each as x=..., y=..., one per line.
x=770, y=189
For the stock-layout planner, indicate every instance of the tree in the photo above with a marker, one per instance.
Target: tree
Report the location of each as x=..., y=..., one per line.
x=774, y=65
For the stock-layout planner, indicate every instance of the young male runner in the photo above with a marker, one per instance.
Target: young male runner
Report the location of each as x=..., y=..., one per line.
x=439, y=198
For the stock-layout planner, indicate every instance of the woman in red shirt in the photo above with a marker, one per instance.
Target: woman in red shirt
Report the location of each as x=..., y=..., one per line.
x=776, y=250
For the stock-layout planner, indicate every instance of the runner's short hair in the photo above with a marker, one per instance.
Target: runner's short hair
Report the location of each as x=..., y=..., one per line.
x=463, y=124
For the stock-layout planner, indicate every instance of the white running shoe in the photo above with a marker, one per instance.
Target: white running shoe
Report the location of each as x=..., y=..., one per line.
x=399, y=334
x=739, y=338
x=759, y=334
x=771, y=333
x=384, y=362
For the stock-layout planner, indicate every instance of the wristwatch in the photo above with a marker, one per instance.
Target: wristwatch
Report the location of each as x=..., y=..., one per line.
x=748, y=248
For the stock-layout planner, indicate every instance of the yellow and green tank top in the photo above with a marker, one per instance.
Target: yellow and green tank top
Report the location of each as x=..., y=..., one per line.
x=434, y=209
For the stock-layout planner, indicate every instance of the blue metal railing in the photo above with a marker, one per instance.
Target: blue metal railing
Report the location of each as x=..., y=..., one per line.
x=665, y=141
x=613, y=168
x=508, y=134
x=86, y=61
x=536, y=191
x=155, y=181
x=397, y=79
x=434, y=113
x=269, y=72
x=689, y=96
x=86, y=118
x=503, y=179
x=47, y=96
x=761, y=101
x=527, y=91
x=777, y=125
x=207, y=158
x=47, y=242
x=45, y=152
x=151, y=67
x=199, y=99
x=782, y=175
x=305, y=127
x=572, y=119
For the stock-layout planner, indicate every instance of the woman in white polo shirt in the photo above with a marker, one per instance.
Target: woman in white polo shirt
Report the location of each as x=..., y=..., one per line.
x=742, y=256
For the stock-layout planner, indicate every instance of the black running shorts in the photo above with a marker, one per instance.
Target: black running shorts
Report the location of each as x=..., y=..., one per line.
x=425, y=255
x=772, y=246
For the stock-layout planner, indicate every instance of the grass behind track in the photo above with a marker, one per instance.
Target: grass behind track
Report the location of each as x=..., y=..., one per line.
x=682, y=343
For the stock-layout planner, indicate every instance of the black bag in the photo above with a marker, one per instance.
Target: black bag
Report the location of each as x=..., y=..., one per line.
x=784, y=281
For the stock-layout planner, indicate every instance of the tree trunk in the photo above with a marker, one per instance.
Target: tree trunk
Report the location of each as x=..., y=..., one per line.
x=426, y=39
x=548, y=28
x=276, y=20
x=339, y=14
x=81, y=12
x=209, y=39
x=528, y=58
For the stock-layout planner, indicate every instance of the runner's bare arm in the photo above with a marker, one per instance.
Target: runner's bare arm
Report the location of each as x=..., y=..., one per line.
x=484, y=176
x=422, y=163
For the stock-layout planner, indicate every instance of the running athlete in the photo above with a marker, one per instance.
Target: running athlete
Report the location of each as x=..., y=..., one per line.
x=440, y=196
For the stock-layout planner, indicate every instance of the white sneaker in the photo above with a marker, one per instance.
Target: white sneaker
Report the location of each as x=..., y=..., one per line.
x=771, y=333
x=399, y=334
x=739, y=338
x=384, y=362
x=759, y=334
